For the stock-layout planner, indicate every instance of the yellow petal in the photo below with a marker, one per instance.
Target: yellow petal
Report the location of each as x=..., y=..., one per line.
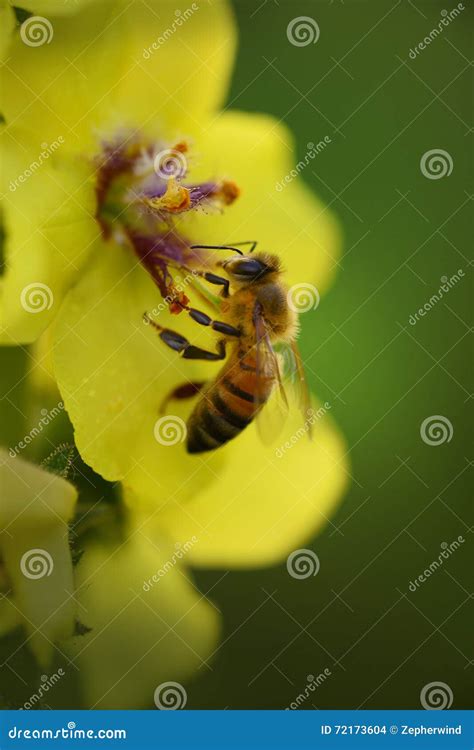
x=267, y=500
x=35, y=507
x=117, y=65
x=257, y=152
x=149, y=624
x=48, y=212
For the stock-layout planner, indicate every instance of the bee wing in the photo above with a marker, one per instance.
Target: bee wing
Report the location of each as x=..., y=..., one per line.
x=295, y=380
x=271, y=417
x=292, y=381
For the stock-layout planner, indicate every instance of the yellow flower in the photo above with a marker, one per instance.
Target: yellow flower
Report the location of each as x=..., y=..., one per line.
x=149, y=624
x=35, y=561
x=138, y=162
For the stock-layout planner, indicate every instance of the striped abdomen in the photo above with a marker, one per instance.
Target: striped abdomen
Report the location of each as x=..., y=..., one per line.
x=228, y=405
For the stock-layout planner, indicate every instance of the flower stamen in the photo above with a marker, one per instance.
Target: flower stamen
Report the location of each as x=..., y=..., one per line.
x=175, y=200
x=141, y=194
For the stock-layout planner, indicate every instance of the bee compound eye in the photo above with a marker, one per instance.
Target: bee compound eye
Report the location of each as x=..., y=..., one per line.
x=247, y=268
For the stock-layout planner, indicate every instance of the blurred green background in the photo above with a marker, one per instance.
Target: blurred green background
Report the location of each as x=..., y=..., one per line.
x=402, y=232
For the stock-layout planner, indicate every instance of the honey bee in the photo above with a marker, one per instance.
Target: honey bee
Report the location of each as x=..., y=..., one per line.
x=257, y=316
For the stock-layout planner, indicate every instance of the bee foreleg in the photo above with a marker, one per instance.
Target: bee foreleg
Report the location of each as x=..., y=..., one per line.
x=213, y=278
x=217, y=325
x=195, y=352
x=180, y=344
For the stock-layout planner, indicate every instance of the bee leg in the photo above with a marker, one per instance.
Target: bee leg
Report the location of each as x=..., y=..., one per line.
x=217, y=325
x=213, y=278
x=181, y=392
x=180, y=344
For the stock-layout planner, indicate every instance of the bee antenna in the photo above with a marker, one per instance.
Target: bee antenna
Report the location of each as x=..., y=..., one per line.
x=216, y=247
